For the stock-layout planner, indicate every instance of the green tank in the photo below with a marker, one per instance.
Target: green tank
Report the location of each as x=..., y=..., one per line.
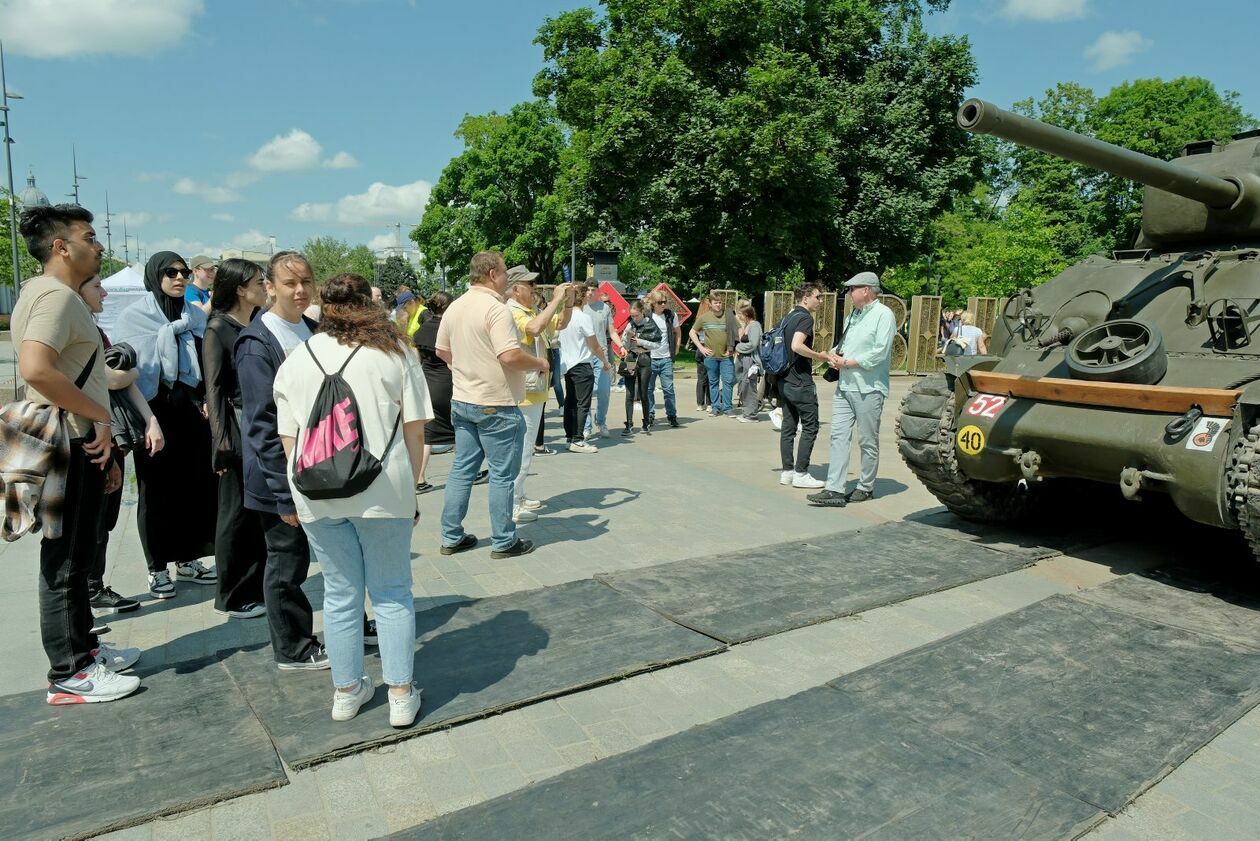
x=1140, y=369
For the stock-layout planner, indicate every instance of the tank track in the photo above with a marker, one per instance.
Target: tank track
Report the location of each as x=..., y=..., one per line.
x=925, y=438
x=1244, y=487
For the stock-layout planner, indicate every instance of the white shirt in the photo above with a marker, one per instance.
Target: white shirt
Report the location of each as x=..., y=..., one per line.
x=574, y=350
x=601, y=319
x=289, y=335
x=383, y=384
x=662, y=352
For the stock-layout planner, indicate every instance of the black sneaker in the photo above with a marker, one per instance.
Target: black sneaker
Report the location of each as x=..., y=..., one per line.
x=629, y=430
x=466, y=542
x=482, y=477
x=99, y=629
x=369, y=631
x=673, y=422
x=831, y=499
x=316, y=661
x=520, y=547
x=106, y=602
x=859, y=496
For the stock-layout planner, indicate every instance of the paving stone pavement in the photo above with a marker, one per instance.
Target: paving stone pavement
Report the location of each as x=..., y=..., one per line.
x=709, y=487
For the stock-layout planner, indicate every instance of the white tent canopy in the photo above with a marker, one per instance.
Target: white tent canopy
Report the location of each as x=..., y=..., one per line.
x=124, y=288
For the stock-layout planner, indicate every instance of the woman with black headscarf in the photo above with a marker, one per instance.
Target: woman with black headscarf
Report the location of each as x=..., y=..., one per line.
x=178, y=498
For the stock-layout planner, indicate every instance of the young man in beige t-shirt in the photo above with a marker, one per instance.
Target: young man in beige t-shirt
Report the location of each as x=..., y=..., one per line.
x=478, y=339
x=58, y=347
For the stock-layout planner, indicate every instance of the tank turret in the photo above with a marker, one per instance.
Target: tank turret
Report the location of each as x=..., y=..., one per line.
x=1211, y=195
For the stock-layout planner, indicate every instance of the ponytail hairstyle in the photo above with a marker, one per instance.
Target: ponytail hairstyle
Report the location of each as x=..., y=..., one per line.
x=352, y=318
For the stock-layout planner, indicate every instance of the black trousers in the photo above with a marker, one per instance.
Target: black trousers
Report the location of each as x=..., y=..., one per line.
x=579, y=385
x=240, y=549
x=110, y=508
x=65, y=617
x=702, y=382
x=637, y=384
x=799, y=402
x=289, y=614
x=542, y=424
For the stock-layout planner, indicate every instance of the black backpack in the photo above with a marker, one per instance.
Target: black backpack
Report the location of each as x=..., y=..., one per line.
x=333, y=461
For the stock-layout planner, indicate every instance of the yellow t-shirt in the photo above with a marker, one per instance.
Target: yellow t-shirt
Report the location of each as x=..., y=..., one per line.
x=523, y=316
x=51, y=313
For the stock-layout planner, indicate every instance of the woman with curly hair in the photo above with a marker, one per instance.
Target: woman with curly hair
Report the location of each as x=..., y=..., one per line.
x=362, y=542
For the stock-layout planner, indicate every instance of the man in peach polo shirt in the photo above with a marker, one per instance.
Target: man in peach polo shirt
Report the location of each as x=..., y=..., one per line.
x=478, y=340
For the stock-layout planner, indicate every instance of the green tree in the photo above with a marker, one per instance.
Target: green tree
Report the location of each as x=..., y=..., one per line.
x=360, y=261
x=500, y=193
x=742, y=139
x=331, y=256
x=396, y=272
x=28, y=265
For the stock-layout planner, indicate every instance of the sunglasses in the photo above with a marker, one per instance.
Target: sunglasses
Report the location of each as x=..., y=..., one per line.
x=172, y=273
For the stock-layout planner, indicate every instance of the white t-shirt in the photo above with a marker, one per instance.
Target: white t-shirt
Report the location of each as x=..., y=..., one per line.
x=383, y=384
x=600, y=315
x=573, y=347
x=289, y=335
x=662, y=352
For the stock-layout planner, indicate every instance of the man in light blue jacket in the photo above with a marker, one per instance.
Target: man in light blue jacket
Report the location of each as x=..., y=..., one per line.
x=864, y=354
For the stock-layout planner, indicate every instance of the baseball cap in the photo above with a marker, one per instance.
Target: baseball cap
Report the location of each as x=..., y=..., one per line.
x=863, y=279
x=201, y=261
x=521, y=274
x=403, y=297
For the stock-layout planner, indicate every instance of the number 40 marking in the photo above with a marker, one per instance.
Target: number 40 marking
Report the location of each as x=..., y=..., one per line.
x=987, y=405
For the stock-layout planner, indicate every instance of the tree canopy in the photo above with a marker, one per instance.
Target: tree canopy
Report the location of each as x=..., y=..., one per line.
x=501, y=193
x=737, y=140
x=330, y=256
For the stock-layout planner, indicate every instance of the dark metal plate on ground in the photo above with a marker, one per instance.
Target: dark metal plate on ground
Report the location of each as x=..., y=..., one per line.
x=186, y=739
x=475, y=659
x=1033, y=543
x=818, y=765
x=1096, y=703
x=742, y=596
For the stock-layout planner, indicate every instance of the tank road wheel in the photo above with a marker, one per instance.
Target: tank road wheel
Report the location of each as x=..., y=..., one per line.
x=925, y=437
x=1244, y=487
x=1119, y=352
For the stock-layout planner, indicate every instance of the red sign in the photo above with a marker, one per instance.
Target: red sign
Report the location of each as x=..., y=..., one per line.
x=682, y=310
x=620, y=310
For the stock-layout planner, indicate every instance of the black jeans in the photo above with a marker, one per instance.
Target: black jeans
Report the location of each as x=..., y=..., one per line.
x=65, y=617
x=240, y=550
x=579, y=385
x=637, y=384
x=702, y=382
x=110, y=508
x=798, y=398
x=288, y=610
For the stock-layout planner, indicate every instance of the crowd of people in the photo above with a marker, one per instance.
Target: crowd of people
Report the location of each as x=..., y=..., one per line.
x=271, y=423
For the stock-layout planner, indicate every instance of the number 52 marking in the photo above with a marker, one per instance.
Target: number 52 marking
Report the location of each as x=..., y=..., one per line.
x=987, y=405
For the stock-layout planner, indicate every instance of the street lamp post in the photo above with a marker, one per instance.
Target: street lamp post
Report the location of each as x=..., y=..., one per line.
x=5, y=96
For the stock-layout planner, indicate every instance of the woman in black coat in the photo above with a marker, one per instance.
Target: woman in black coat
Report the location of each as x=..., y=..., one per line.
x=438, y=432
x=240, y=552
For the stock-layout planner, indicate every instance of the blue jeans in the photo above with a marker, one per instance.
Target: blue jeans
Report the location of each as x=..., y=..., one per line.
x=371, y=554
x=663, y=368
x=849, y=409
x=721, y=373
x=603, y=390
x=493, y=433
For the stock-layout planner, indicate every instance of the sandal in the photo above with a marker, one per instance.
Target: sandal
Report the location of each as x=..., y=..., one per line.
x=424, y=488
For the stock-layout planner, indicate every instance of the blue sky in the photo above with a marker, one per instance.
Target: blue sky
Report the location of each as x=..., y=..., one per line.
x=216, y=123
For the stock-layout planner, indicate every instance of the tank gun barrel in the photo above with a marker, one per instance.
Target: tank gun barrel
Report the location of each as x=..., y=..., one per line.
x=980, y=117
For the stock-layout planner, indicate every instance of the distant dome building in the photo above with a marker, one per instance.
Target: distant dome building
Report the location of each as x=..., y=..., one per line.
x=32, y=196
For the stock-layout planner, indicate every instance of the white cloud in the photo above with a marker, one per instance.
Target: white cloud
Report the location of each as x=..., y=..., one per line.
x=312, y=212
x=241, y=179
x=384, y=203
x=206, y=192
x=341, y=160
x=1113, y=49
x=293, y=152
x=223, y=217
x=1045, y=11
x=251, y=240
x=134, y=220
x=382, y=241
x=50, y=29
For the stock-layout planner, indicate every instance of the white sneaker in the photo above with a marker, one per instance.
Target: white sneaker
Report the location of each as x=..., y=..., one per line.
x=520, y=515
x=346, y=704
x=403, y=711
x=93, y=685
x=531, y=504
x=603, y=431
x=776, y=418
x=161, y=586
x=804, y=480
x=582, y=447
x=197, y=572
x=745, y=419
x=115, y=659
x=786, y=477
